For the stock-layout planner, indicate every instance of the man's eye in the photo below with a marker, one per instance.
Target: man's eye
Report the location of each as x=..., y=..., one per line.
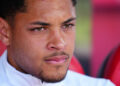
x=68, y=26
x=38, y=29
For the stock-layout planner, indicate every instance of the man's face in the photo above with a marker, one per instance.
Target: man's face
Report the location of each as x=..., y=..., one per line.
x=42, y=39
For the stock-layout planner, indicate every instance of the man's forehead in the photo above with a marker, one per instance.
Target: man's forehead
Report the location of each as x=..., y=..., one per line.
x=44, y=8
x=50, y=3
x=50, y=11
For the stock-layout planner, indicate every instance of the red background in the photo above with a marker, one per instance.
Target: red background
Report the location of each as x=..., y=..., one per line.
x=106, y=30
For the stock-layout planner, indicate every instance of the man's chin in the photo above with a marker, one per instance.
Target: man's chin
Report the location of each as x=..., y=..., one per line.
x=53, y=79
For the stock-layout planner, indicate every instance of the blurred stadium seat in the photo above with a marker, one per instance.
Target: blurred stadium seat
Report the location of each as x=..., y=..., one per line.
x=2, y=48
x=76, y=66
x=111, y=67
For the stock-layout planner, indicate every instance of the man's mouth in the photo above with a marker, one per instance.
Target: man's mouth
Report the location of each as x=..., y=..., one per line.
x=57, y=59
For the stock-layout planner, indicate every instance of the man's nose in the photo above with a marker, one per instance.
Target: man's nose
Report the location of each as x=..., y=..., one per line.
x=56, y=42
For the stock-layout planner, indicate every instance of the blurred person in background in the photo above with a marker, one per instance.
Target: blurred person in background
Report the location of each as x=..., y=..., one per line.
x=39, y=36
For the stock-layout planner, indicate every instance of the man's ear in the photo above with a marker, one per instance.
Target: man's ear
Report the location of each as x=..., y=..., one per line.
x=4, y=31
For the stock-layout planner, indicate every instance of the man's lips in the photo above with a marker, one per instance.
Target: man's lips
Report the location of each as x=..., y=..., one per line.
x=57, y=59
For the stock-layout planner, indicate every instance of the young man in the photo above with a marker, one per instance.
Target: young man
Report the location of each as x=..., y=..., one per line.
x=40, y=36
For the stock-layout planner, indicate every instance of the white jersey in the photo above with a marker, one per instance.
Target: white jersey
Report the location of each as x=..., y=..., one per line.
x=9, y=76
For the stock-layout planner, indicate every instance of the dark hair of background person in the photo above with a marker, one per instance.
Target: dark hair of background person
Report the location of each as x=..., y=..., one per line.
x=8, y=8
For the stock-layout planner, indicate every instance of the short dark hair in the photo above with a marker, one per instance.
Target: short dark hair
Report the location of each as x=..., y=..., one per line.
x=8, y=8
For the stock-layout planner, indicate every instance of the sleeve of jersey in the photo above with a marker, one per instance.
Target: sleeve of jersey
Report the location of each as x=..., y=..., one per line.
x=104, y=82
x=109, y=83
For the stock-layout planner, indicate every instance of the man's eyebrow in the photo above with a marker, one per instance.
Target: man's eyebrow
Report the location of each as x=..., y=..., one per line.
x=71, y=19
x=40, y=23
